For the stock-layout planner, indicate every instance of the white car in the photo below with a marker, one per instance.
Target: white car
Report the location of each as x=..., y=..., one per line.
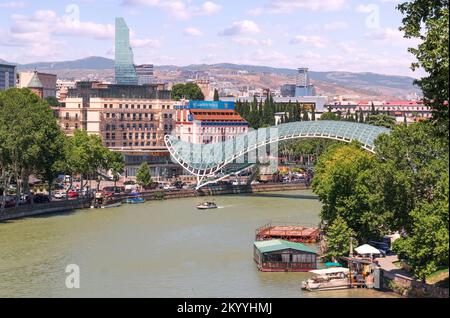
x=60, y=195
x=169, y=187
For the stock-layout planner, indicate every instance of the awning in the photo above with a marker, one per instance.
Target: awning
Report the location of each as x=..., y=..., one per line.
x=367, y=249
x=327, y=271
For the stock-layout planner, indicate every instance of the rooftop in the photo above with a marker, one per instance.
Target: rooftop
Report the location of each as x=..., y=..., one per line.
x=279, y=245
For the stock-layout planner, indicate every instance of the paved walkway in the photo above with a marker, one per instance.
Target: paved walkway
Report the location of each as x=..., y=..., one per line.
x=387, y=263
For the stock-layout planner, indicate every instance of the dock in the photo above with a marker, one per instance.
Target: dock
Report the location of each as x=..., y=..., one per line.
x=292, y=233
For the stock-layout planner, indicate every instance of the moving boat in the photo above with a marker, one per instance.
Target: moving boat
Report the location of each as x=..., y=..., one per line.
x=328, y=279
x=207, y=206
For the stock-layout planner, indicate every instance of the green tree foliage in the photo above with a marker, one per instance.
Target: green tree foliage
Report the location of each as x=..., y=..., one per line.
x=330, y=116
x=382, y=120
x=404, y=188
x=190, y=91
x=143, y=176
x=52, y=101
x=428, y=21
x=342, y=188
x=338, y=239
x=30, y=138
x=426, y=245
x=116, y=163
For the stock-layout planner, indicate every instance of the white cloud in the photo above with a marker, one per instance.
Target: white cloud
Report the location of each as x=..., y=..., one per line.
x=240, y=28
x=253, y=42
x=145, y=43
x=287, y=6
x=191, y=31
x=314, y=41
x=13, y=5
x=180, y=9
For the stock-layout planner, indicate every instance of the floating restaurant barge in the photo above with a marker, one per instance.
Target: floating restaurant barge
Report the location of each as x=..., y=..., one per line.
x=292, y=233
x=284, y=256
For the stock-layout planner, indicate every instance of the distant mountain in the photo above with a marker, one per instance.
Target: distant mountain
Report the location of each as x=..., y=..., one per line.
x=332, y=83
x=89, y=63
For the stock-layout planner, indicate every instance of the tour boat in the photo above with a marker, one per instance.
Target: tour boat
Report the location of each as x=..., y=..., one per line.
x=207, y=206
x=328, y=279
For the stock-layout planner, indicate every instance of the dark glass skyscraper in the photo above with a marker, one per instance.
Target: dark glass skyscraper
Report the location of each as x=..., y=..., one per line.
x=125, y=71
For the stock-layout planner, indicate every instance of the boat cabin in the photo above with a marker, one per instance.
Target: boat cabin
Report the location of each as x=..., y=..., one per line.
x=284, y=256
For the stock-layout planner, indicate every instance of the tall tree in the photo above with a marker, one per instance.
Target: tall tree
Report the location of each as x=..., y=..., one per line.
x=143, y=176
x=190, y=91
x=216, y=95
x=428, y=21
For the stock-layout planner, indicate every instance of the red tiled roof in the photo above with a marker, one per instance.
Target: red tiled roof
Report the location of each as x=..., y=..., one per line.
x=216, y=115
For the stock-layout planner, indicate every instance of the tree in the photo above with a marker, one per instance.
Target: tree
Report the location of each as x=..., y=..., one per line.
x=216, y=95
x=190, y=91
x=428, y=21
x=31, y=137
x=143, y=176
x=426, y=245
x=116, y=163
x=337, y=237
x=381, y=120
x=330, y=116
x=52, y=101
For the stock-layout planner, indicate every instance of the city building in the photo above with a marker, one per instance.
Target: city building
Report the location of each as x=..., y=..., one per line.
x=411, y=110
x=288, y=90
x=145, y=74
x=62, y=88
x=7, y=76
x=304, y=88
x=130, y=119
x=125, y=72
x=206, y=88
x=43, y=84
x=203, y=122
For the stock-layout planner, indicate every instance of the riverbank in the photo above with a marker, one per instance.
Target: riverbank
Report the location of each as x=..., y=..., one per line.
x=70, y=205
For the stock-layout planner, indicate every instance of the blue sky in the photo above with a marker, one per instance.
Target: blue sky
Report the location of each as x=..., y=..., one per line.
x=325, y=35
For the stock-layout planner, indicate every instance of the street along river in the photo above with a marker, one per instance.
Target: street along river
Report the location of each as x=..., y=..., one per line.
x=157, y=249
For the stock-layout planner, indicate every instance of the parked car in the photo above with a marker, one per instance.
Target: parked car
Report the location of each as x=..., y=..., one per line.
x=112, y=190
x=73, y=193
x=382, y=246
x=60, y=194
x=169, y=187
x=178, y=184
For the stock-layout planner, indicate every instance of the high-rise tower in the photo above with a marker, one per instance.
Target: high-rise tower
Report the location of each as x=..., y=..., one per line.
x=125, y=72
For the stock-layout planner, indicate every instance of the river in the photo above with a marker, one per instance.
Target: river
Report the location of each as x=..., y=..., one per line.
x=157, y=249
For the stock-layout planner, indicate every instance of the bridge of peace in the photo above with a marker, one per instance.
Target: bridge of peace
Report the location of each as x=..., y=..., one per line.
x=216, y=161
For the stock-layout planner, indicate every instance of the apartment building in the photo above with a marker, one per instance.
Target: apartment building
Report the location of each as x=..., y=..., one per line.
x=130, y=119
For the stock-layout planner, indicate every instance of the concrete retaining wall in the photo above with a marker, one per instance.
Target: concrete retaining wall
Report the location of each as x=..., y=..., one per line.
x=69, y=205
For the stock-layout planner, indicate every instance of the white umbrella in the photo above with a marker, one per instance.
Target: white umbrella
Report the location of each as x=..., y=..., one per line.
x=367, y=249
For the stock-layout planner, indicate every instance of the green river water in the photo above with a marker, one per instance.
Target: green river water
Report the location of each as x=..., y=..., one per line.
x=157, y=249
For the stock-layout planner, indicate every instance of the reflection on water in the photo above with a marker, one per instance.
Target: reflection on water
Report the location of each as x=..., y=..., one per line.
x=157, y=249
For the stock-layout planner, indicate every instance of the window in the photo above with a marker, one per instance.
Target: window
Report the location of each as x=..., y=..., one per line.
x=110, y=105
x=124, y=136
x=126, y=105
x=76, y=126
x=67, y=116
x=105, y=106
x=113, y=136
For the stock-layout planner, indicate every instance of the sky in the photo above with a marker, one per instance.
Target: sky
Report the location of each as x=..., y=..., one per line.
x=324, y=35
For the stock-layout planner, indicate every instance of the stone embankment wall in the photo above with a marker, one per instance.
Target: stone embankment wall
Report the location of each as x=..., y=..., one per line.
x=68, y=205
x=45, y=208
x=410, y=287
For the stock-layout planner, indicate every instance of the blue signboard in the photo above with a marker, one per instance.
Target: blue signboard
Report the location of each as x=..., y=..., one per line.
x=200, y=104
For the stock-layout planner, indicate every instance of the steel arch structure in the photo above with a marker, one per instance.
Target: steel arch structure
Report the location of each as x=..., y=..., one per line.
x=209, y=160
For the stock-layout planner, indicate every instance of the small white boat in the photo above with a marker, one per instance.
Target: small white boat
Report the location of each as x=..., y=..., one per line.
x=207, y=206
x=328, y=279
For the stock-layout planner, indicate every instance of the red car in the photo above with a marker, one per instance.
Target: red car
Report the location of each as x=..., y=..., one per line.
x=72, y=194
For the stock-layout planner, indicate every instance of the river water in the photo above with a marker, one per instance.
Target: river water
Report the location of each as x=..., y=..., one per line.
x=157, y=249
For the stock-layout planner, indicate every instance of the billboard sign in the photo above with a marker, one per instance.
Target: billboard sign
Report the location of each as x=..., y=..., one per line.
x=200, y=104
